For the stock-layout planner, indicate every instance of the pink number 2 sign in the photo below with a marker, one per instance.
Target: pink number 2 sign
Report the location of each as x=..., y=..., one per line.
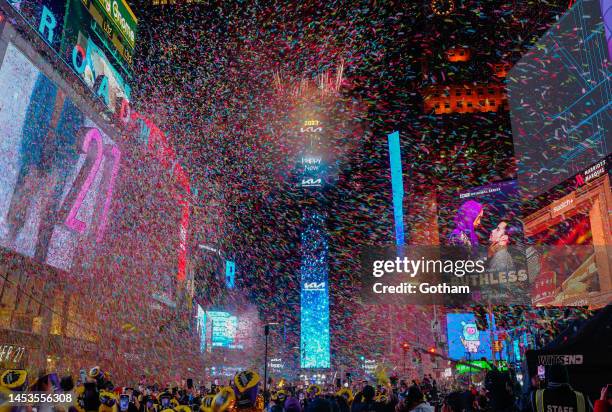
x=92, y=146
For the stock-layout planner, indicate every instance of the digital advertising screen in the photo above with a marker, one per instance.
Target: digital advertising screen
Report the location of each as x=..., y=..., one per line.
x=467, y=342
x=73, y=29
x=58, y=168
x=569, y=248
x=314, y=293
x=485, y=222
x=559, y=95
x=222, y=327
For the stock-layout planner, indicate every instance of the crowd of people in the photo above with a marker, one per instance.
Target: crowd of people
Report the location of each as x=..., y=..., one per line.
x=95, y=392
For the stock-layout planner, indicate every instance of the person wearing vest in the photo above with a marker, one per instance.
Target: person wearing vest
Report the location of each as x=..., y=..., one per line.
x=558, y=395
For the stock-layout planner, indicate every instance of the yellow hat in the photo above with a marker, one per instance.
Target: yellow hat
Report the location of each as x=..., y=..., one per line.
x=182, y=408
x=281, y=396
x=207, y=403
x=246, y=380
x=314, y=390
x=346, y=393
x=108, y=399
x=95, y=372
x=223, y=399
x=14, y=379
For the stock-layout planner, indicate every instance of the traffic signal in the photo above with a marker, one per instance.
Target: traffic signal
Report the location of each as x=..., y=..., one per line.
x=405, y=346
x=432, y=350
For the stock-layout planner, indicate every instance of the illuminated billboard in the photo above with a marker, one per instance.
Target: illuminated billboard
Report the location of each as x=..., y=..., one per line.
x=486, y=221
x=58, y=169
x=230, y=274
x=95, y=38
x=222, y=327
x=568, y=245
x=314, y=295
x=311, y=171
x=465, y=341
x=201, y=327
x=562, y=123
x=397, y=186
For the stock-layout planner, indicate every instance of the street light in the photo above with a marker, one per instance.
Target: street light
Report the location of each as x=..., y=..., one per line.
x=267, y=333
x=405, y=347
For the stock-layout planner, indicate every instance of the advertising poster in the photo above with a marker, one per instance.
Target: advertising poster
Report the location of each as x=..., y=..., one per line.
x=58, y=168
x=484, y=222
x=466, y=342
x=570, y=240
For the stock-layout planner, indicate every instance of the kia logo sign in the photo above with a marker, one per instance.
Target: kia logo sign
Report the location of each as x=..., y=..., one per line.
x=311, y=182
x=314, y=286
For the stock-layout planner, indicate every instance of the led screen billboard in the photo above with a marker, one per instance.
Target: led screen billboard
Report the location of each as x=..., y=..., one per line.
x=485, y=222
x=314, y=293
x=58, y=169
x=568, y=235
x=560, y=99
x=222, y=327
x=201, y=327
x=465, y=341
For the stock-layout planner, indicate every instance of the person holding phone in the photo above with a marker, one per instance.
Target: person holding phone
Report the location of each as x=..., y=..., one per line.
x=558, y=395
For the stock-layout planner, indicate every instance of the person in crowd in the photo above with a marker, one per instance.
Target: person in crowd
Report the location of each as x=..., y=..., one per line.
x=344, y=401
x=459, y=401
x=292, y=404
x=604, y=403
x=500, y=391
x=319, y=404
x=414, y=402
x=558, y=395
x=364, y=401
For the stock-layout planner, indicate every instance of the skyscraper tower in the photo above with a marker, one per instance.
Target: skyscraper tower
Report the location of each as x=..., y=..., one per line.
x=316, y=128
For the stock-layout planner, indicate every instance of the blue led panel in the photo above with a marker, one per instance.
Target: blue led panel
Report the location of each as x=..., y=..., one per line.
x=465, y=341
x=397, y=186
x=230, y=274
x=314, y=295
